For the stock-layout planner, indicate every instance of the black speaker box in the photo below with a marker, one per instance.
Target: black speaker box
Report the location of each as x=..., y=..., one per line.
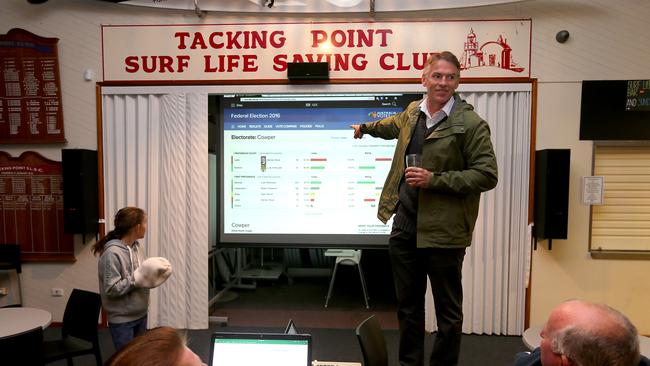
x=552, y=193
x=308, y=71
x=80, y=191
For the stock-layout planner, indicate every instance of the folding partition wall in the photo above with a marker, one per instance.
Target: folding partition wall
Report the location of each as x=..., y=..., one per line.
x=156, y=156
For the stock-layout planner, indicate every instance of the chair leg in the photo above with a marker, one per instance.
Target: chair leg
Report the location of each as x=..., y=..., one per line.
x=98, y=357
x=363, y=286
x=329, y=292
x=69, y=361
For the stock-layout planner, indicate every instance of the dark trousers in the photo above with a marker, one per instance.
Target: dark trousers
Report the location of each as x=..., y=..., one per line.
x=123, y=333
x=411, y=266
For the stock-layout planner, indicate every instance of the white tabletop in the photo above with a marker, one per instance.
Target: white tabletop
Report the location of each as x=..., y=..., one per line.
x=531, y=337
x=18, y=320
x=532, y=340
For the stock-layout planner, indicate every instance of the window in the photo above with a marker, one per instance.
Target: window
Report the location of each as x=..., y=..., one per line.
x=621, y=224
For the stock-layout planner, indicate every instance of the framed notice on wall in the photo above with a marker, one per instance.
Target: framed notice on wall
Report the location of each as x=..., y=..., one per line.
x=30, y=89
x=31, y=207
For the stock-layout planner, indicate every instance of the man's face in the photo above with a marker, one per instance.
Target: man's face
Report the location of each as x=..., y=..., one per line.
x=441, y=80
x=554, y=323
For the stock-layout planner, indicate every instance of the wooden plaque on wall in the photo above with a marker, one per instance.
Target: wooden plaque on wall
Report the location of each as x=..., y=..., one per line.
x=31, y=207
x=30, y=89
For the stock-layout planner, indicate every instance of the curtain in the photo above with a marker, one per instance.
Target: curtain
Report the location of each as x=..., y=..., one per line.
x=495, y=267
x=155, y=157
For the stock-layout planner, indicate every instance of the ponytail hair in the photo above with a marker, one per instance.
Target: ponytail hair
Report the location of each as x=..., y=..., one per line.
x=125, y=219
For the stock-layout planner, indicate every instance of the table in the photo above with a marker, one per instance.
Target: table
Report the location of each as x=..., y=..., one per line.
x=18, y=320
x=532, y=340
x=531, y=337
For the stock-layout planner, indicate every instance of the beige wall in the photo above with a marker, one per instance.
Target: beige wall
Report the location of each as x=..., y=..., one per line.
x=608, y=41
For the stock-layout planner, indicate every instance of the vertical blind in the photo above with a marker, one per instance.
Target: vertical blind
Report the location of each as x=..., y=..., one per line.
x=495, y=267
x=155, y=157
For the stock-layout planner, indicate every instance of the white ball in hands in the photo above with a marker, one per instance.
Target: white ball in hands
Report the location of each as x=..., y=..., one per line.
x=153, y=272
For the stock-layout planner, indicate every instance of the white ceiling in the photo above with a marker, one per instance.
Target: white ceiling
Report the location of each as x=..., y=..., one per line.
x=313, y=6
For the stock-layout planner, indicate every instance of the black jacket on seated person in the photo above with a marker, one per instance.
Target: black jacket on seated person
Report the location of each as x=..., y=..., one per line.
x=534, y=359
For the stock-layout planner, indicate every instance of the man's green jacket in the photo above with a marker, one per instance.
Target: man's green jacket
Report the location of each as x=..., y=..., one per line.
x=460, y=155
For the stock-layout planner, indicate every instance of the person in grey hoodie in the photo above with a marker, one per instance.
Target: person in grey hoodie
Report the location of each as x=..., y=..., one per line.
x=124, y=301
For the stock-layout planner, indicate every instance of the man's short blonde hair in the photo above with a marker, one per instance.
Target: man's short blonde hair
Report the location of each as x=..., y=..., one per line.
x=444, y=55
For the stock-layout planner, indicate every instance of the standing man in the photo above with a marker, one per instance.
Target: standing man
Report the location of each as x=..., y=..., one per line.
x=435, y=205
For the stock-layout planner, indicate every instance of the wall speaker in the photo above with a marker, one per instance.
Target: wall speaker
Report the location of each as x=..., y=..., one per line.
x=80, y=191
x=552, y=193
x=308, y=71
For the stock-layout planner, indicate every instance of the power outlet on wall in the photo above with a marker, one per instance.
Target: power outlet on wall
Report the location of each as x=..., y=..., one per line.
x=57, y=292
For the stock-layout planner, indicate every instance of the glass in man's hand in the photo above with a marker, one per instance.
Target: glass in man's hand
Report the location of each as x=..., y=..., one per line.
x=413, y=160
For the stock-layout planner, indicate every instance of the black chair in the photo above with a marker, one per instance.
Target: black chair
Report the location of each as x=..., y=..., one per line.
x=79, y=331
x=371, y=340
x=25, y=348
x=10, y=261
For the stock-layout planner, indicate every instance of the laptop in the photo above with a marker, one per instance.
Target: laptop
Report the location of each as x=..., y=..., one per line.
x=291, y=328
x=256, y=349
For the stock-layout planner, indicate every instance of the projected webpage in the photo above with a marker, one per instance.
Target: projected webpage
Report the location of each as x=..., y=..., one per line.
x=293, y=166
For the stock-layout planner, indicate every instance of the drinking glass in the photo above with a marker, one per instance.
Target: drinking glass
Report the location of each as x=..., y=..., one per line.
x=413, y=160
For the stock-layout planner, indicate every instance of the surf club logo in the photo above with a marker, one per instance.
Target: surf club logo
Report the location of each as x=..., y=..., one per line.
x=494, y=53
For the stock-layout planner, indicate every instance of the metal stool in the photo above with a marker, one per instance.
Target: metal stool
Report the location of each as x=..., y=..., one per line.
x=346, y=257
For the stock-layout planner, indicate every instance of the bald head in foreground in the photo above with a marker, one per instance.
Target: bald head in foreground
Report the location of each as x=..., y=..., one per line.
x=582, y=333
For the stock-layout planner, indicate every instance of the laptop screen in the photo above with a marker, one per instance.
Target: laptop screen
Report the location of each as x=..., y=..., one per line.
x=256, y=349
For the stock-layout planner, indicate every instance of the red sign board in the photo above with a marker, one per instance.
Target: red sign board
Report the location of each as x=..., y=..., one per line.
x=30, y=89
x=31, y=206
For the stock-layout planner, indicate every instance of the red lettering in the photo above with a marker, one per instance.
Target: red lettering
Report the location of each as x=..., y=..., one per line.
x=359, y=62
x=419, y=60
x=382, y=61
x=249, y=63
x=297, y=58
x=166, y=64
x=337, y=38
x=213, y=42
x=280, y=62
x=183, y=62
x=131, y=64
x=258, y=39
x=341, y=62
x=228, y=63
x=317, y=58
x=181, y=36
x=277, y=39
x=208, y=67
x=318, y=37
x=160, y=64
x=364, y=39
x=383, y=33
x=351, y=37
x=233, y=61
x=198, y=41
x=232, y=40
x=400, y=63
x=151, y=67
